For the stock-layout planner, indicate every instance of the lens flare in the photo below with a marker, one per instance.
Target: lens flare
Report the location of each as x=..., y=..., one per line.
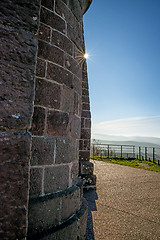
x=86, y=55
x=81, y=57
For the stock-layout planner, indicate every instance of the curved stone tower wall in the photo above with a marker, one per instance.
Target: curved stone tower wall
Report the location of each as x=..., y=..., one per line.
x=86, y=167
x=17, y=64
x=55, y=192
x=41, y=109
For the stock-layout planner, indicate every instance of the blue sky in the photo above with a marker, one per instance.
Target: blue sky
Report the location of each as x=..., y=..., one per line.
x=123, y=40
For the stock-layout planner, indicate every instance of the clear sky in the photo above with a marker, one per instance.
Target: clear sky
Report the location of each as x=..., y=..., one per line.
x=123, y=40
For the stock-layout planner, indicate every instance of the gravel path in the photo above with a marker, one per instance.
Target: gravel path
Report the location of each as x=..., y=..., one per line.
x=125, y=204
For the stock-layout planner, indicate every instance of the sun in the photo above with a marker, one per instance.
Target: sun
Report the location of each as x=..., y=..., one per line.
x=81, y=57
x=86, y=55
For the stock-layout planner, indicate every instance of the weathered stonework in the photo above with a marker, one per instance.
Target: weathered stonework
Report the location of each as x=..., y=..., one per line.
x=86, y=167
x=19, y=24
x=43, y=102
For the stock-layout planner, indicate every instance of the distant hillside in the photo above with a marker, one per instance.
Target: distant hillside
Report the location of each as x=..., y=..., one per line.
x=143, y=144
x=121, y=140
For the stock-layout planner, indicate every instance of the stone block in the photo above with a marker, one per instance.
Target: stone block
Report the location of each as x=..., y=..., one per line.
x=43, y=151
x=61, y=41
x=48, y=4
x=40, y=68
x=43, y=215
x=56, y=178
x=86, y=114
x=80, y=107
x=58, y=123
x=87, y=123
x=53, y=20
x=85, y=92
x=64, y=11
x=84, y=155
x=72, y=65
x=85, y=84
x=78, y=26
x=82, y=122
x=75, y=126
x=51, y=53
x=89, y=180
x=76, y=103
x=60, y=75
x=18, y=50
x=76, y=9
x=35, y=181
x=44, y=33
x=85, y=76
x=47, y=94
x=70, y=204
x=14, y=179
x=81, y=144
x=85, y=99
x=38, y=122
x=86, y=106
x=77, y=85
x=66, y=149
x=67, y=99
x=21, y=17
x=74, y=172
x=85, y=133
x=86, y=168
x=86, y=145
x=73, y=36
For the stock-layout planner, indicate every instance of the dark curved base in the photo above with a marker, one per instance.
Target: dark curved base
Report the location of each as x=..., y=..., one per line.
x=72, y=228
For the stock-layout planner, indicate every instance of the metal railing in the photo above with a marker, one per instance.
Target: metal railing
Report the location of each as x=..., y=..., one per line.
x=129, y=151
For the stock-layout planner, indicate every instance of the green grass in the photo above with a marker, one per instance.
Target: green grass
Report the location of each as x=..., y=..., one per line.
x=131, y=162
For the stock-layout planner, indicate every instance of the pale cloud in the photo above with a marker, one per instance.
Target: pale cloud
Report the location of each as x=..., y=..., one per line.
x=138, y=126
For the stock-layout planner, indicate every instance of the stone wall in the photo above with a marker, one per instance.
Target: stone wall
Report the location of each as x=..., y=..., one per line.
x=17, y=63
x=86, y=167
x=55, y=193
x=41, y=114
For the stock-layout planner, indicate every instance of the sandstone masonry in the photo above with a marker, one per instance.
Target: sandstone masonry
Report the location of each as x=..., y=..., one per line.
x=44, y=120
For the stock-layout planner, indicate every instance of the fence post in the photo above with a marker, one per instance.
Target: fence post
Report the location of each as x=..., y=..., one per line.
x=139, y=152
x=153, y=155
x=146, y=153
x=121, y=150
x=134, y=151
x=108, y=150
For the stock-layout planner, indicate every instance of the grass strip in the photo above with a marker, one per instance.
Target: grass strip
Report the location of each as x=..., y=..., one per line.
x=131, y=162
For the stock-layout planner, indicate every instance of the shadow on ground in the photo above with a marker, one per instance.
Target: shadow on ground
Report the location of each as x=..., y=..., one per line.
x=90, y=195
